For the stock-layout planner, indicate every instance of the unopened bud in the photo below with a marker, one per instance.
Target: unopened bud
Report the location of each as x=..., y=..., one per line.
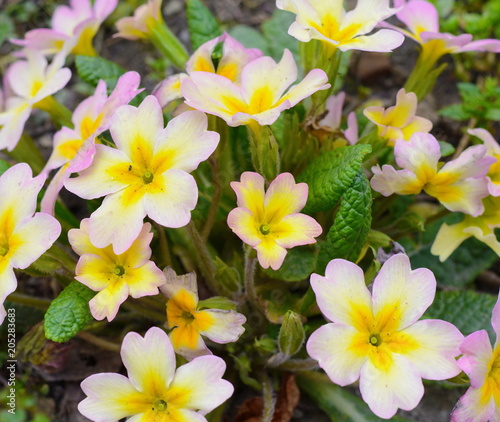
x=292, y=335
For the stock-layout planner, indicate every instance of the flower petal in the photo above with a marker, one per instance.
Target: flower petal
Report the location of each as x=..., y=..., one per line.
x=284, y=197
x=150, y=361
x=342, y=295
x=400, y=295
x=250, y=193
x=270, y=254
x=388, y=180
x=334, y=347
x=198, y=385
x=475, y=362
x=296, y=229
x=448, y=239
x=226, y=326
x=419, y=16
x=242, y=222
x=106, y=303
x=473, y=408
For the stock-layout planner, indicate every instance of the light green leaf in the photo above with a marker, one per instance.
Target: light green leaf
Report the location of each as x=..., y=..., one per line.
x=467, y=310
x=217, y=302
x=6, y=28
x=349, y=232
x=275, y=30
x=298, y=265
x=330, y=175
x=68, y=313
x=335, y=401
x=202, y=24
x=91, y=69
x=446, y=148
x=4, y=166
x=250, y=38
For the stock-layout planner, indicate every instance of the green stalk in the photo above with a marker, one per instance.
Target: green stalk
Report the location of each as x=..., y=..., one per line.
x=167, y=43
x=27, y=300
x=59, y=113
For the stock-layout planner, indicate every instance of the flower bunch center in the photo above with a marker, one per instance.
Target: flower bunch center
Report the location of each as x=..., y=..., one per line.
x=160, y=405
x=119, y=270
x=147, y=177
x=375, y=340
x=265, y=229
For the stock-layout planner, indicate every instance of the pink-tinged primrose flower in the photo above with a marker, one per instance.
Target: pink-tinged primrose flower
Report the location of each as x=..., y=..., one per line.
x=114, y=276
x=73, y=27
x=24, y=234
x=139, y=26
x=421, y=18
x=493, y=148
x=399, y=121
x=327, y=21
x=481, y=362
x=74, y=149
x=188, y=323
x=450, y=237
x=459, y=185
x=234, y=57
x=259, y=98
x=28, y=83
x=331, y=121
x=270, y=221
x=146, y=175
x=377, y=337
x=154, y=390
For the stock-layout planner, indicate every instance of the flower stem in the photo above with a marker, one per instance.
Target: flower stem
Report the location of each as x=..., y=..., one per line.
x=147, y=313
x=26, y=151
x=216, y=197
x=269, y=400
x=250, y=266
x=164, y=248
x=167, y=43
x=27, y=300
x=59, y=113
x=265, y=151
x=100, y=342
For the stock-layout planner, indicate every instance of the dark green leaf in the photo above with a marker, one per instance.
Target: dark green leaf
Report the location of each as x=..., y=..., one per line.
x=337, y=402
x=68, y=313
x=330, y=175
x=4, y=166
x=202, y=24
x=349, y=232
x=91, y=69
x=298, y=265
x=467, y=310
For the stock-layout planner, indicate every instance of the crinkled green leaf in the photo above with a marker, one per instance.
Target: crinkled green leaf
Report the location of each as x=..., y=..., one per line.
x=337, y=402
x=298, y=265
x=91, y=69
x=330, y=175
x=275, y=30
x=202, y=24
x=350, y=229
x=467, y=310
x=68, y=313
x=470, y=259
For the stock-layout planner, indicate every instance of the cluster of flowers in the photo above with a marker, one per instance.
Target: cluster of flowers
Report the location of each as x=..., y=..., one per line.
x=374, y=337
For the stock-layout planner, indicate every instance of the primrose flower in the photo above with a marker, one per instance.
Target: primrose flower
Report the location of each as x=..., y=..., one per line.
x=188, y=323
x=270, y=222
x=481, y=362
x=327, y=21
x=399, y=121
x=74, y=149
x=459, y=185
x=233, y=58
x=493, y=148
x=147, y=175
x=450, y=237
x=377, y=337
x=139, y=25
x=73, y=26
x=114, y=276
x=260, y=97
x=421, y=18
x=24, y=234
x=332, y=119
x=154, y=391
x=30, y=82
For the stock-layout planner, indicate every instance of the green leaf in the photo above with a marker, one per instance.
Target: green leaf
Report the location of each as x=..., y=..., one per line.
x=330, y=175
x=92, y=69
x=202, y=24
x=275, y=30
x=470, y=259
x=299, y=263
x=455, y=112
x=217, y=302
x=6, y=28
x=250, y=38
x=68, y=313
x=446, y=148
x=337, y=402
x=350, y=229
x=493, y=114
x=467, y=310
x=4, y=166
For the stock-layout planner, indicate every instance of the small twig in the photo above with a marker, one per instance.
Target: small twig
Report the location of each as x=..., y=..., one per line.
x=27, y=300
x=216, y=197
x=148, y=313
x=100, y=342
x=464, y=141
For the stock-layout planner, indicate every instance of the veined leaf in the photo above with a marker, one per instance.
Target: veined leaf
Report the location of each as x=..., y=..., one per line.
x=91, y=69
x=202, y=24
x=330, y=175
x=68, y=313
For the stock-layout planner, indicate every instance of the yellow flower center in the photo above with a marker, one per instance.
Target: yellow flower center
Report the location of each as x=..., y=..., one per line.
x=265, y=229
x=147, y=177
x=375, y=340
x=160, y=405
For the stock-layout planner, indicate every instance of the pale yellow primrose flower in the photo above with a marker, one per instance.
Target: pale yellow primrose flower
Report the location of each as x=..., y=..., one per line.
x=154, y=391
x=146, y=175
x=459, y=185
x=30, y=81
x=260, y=96
x=138, y=26
x=482, y=228
x=399, y=121
x=114, y=276
x=327, y=21
x=24, y=234
x=377, y=337
x=188, y=324
x=270, y=222
x=493, y=148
